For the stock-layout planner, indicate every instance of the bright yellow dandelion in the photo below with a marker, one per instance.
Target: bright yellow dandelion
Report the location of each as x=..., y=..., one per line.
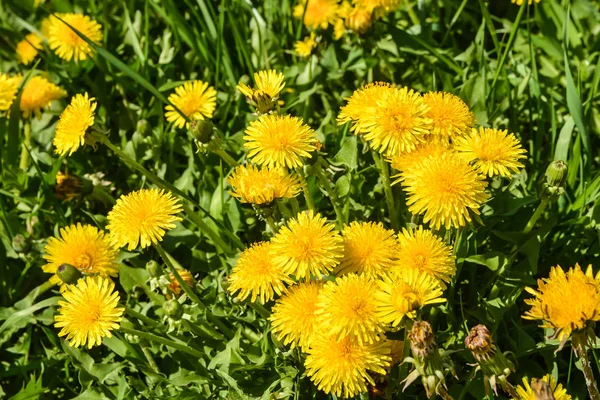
x=269, y=82
x=308, y=245
x=531, y=391
x=317, y=13
x=262, y=186
x=343, y=367
x=142, y=217
x=279, y=141
x=445, y=189
x=377, y=6
x=566, y=302
x=66, y=43
x=195, y=99
x=347, y=307
x=89, y=312
x=84, y=247
x=8, y=90
x=27, y=49
x=450, y=116
x=293, y=318
x=403, y=294
x=362, y=103
x=519, y=3
x=38, y=94
x=73, y=124
x=305, y=46
x=339, y=29
x=359, y=19
x=494, y=152
x=404, y=161
x=369, y=250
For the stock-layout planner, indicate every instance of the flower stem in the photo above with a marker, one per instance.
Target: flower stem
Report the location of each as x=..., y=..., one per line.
x=271, y=224
x=167, y=342
x=24, y=163
x=536, y=215
x=134, y=314
x=590, y=381
x=216, y=239
x=218, y=150
x=149, y=358
x=387, y=188
x=307, y=196
x=330, y=189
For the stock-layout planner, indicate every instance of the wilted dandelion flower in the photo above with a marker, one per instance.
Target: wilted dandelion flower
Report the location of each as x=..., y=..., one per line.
x=342, y=367
x=142, y=217
x=493, y=152
x=27, y=49
x=450, y=115
x=66, y=43
x=307, y=245
x=567, y=301
x=174, y=285
x=84, y=247
x=269, y=82
x=8, y=90
x=532, y=391
x=279, y=141
x=422, y=249
x=369, y=249
x=89, y=312
x=404, y=294
x=305, y=46
x=68, y=187
x=363, y=102
x=293, y=318
x=74, y=123
x=195, y=99
x=257, y=275
x=318, y=14
x=38, y=94
x=446, y=189
x=347, y=307
x=262, y=186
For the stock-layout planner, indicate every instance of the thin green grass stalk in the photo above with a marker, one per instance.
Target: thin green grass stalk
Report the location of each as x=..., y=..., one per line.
x=134, y=314
x=330, y=189
x=305, y=190
x=387, y=188
x=161, y=340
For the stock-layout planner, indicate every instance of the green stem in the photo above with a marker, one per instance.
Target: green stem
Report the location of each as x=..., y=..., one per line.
x=167, y=342
x=536, y=215
x=261, y=310
x=149, y=358
x=24, y=163
x=134, y=314
x=307, y=196
x=295, y=206
x=218, y=150
x=271, y=224
x=590, y=381
x=387, y=188
x=330, y=189
x=207, y=230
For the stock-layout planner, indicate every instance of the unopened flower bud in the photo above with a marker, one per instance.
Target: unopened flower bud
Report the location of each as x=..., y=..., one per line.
x=202, y=130
x=480, y=343
x=143, y=127
x=68, y=273
x=556, y=174
x=154, y=269
x=173, y=309
x=422, y=341
x=20, y=243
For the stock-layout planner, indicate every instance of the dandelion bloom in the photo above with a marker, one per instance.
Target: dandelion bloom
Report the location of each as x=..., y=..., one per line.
x=27, y=49
x=305, y=46
x=307, y=245
x=403, y=161
x=317, y=13
x=84, y=247
x=359, y=19
x=279, y=141
x=493, y=152
x=342, y=367
x=347, y=307
x=405, y=293
x=269, y=82
x=377, y=5
x=74, y=123
x=89, y=312
x=363, y=102
x=262, y=186
x=450, y=116
x=422, y=249
x=293, y=318
x=445, y=189
x=66, y=43
x=195, y=99
x=532, y=391
x=8, y=90
x=520, y=2
x=339, y=29
x=567, y=301
x=142, y=217
x=257, y=275
x=369, y=249
x=38, y=94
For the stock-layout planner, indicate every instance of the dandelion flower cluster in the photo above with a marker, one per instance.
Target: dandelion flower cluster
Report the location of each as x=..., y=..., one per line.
x=531, y=391
x=66, y=43
x=252, y=185
x=8, y=90
x=195, y=99
x=27, y=49
x=74, y=123
x=38, y=94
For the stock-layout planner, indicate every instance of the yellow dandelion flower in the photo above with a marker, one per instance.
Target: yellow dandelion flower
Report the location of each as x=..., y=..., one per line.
x=398, y=122
x=339, y=29
x=142, y=217
x=174, y=285
x=38, y=94
x=450, y=116
x=531, y=391
x=567, y=301
x=403, y=161
x=446, y=189
x=342, y=367
x=422, y=249
x=493, y=152
x=369, y=250
x=519, y=3
x=379, y=6
x=257, y=275
x=84, y=247
x=195, y=99
x=89, y=312
x=262, y=186
x=307, y=245
x=45, y=27
x=404, y=294
x=8, y=90
x=74, y=123
x=359, y=19
x=305, y=46
x=293, y=318
x=317, y=13
x=27, y=49
x=347, y=307
x=363, y=102
x=279, y=141
x=67, y=44
x=269, y=82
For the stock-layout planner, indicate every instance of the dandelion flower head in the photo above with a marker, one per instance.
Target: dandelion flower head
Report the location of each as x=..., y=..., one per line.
x=38, y=94
x=362, y=103
x=317, y=13
x=359, y=19
x=528, y=391
x=450, y=116
x=195, y=99
x=74, y=123
x=8, y=90
x=269, y=82
x=305, y=46
x=404, y=161
x=66, y=43
x=262, y=186
x=27, y=49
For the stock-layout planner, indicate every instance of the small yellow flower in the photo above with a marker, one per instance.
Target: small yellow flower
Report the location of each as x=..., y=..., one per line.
x=339, y=29
x=520, y=2
x=27, y=49
x=84, y=247
x=262, y=186
x=450, y=116
x=257, y=275
x=195, y=99
x=305, y=47
x=307, y=245
x=363, y=102
x=142, y=217
x=37, y=95
x=318, y=13
x=293, y=317
x=8, y=90
x=531, y=391
x=269, y=82
x=359, y=19
x=74, y=122
x=494, y=152
x=89, y=312
x=67, y=44
x=279, y=141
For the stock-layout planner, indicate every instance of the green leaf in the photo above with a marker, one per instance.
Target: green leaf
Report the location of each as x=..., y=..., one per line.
x=494, y=260
x=22, y=315
x=348, y=154
x=564, y=140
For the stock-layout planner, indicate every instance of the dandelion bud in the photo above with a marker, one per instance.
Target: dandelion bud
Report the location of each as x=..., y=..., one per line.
x=20, y=243
x=173, y=309
x=479, y=342
x=68, y=274
x=202, y=130
x=143, y=127
x=422, y=341
x=556, y=174
x=154, y=269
